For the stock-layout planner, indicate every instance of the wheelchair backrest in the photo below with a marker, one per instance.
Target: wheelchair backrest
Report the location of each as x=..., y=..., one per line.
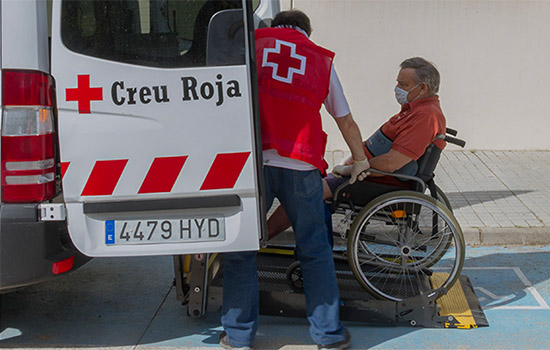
x=428, y=162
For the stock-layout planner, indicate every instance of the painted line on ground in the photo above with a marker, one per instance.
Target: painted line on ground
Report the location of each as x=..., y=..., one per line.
x=528, y=287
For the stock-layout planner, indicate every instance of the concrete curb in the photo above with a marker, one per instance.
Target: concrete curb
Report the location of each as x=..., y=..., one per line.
x=477, y=236
x=499, y=236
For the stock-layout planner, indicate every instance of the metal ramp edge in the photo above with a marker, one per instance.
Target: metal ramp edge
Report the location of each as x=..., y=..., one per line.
x=462, y=304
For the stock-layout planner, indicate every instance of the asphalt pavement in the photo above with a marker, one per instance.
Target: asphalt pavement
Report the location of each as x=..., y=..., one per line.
x=500, y=198
x=130, y=303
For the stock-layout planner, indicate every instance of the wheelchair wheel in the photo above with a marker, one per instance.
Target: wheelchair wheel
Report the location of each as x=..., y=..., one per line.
x=441, y=196
x=294, y=277
x=403, y=244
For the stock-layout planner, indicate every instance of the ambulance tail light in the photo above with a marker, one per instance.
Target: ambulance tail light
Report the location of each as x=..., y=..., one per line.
x=28, y=148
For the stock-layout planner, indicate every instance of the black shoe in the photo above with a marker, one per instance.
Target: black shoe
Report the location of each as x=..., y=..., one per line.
x=341, y=345
x=225, y=344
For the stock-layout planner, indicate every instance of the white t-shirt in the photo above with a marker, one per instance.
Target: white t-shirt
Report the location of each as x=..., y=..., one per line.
x=336, y=105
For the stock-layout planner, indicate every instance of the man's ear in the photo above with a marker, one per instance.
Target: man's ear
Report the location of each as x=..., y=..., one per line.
x=424, y=89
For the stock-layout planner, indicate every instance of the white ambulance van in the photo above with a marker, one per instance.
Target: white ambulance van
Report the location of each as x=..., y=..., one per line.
x=129, y=128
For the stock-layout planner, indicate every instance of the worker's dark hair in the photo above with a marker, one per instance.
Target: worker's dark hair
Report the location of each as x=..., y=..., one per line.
x=295, y=18
x=425, y=72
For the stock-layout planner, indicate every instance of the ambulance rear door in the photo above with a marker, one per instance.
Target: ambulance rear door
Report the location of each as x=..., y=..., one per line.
x=157, y=129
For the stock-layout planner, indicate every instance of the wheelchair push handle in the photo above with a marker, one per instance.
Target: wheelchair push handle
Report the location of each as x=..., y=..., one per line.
x=455, y=141
x=452, y=132
x=451, y=139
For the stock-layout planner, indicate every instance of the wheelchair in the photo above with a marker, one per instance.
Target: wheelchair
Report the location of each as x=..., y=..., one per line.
x=401, y=241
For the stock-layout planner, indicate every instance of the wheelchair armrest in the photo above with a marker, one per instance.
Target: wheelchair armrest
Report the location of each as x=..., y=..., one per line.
x=398, y=176
x=401, y=177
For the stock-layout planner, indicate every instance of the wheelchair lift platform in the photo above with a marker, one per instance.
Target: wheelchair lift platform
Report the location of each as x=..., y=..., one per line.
x=399, y=244
x=459, y=308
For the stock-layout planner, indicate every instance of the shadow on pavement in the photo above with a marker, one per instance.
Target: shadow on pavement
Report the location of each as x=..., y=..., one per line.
x=468, y=198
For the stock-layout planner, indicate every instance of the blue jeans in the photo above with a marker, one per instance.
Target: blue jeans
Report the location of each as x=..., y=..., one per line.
x=301, y=195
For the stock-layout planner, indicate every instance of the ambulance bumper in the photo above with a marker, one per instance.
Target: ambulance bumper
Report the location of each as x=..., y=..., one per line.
x=29, y=248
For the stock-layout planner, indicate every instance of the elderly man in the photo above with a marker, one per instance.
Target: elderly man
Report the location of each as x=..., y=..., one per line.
x=398, y=143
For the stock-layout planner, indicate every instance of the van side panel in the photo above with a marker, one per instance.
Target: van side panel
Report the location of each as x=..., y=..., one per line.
x=25, y=35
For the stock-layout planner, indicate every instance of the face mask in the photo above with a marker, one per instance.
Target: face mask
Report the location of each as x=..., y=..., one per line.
x=401, y=95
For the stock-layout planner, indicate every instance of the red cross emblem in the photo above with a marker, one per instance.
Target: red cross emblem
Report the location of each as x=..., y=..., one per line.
x=284, y=60
x=84, y=94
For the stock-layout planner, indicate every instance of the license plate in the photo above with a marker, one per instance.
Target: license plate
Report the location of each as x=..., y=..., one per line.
x=120, y=232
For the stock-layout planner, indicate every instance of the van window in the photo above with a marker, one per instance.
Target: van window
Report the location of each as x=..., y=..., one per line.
x=158, y=33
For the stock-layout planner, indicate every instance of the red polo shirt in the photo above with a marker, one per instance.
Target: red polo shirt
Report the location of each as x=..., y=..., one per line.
x=415, y=127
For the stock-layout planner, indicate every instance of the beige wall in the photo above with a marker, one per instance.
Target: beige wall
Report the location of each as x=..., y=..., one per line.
x=493, y=57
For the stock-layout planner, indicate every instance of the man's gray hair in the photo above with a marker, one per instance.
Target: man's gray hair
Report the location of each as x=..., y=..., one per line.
x=425, y=72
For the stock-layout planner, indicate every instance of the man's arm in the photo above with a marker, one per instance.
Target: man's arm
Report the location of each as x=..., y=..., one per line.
x=389, y=162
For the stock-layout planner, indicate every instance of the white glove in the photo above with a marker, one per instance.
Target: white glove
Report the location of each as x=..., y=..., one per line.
x=359, y=170
x=341, y=170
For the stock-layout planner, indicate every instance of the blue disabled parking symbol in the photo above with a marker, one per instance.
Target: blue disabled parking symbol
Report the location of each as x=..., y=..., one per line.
x=110, y=232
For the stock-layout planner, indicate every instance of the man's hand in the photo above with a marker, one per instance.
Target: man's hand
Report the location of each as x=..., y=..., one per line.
x=359, y=170
x=342, y=170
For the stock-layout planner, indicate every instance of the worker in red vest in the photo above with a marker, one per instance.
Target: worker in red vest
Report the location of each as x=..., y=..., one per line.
x=295, y=78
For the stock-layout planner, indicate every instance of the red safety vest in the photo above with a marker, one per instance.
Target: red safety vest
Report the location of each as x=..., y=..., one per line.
x=293, y=82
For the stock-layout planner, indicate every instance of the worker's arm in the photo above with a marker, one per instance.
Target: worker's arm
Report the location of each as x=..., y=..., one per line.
x=352, y=136
x=389, y=162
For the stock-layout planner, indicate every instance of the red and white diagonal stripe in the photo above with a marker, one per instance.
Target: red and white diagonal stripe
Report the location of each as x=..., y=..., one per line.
x=104, y=177
x=162, y=174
